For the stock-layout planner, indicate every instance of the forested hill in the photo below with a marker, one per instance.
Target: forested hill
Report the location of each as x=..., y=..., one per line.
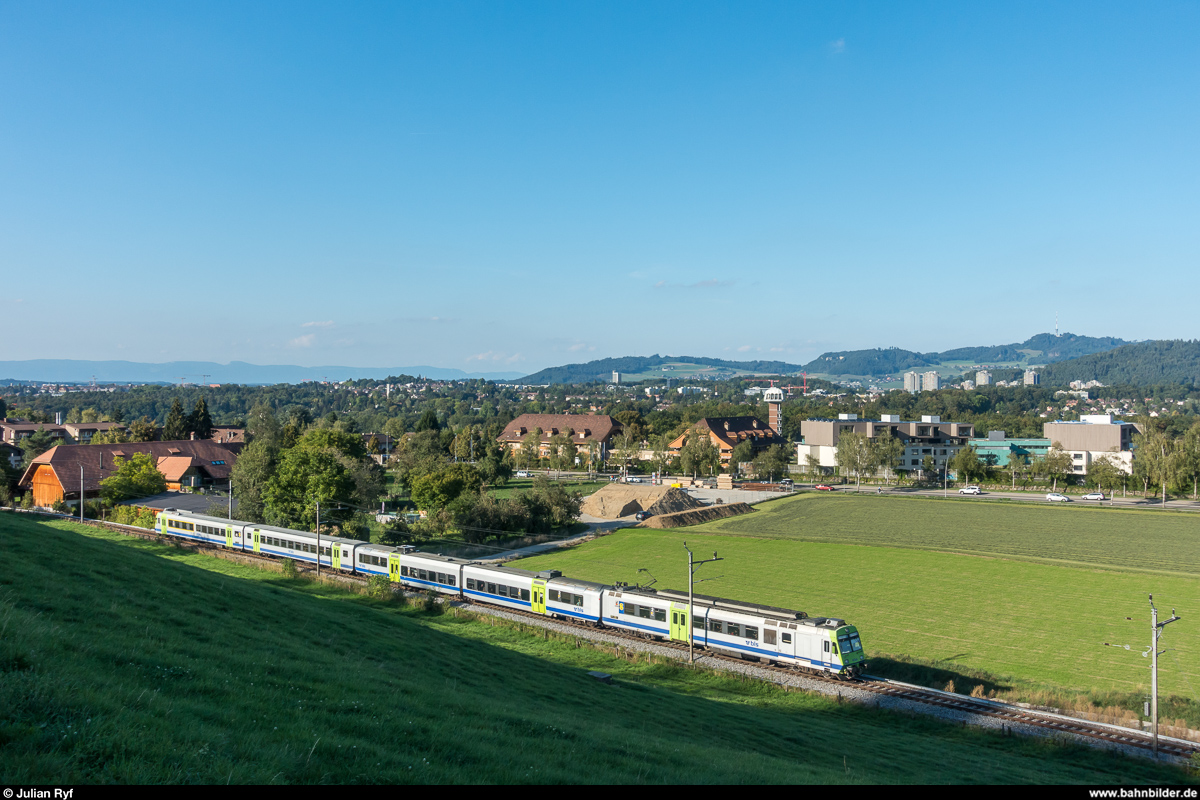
x=603, y=369
x=1142, y=364
x=1044, y=348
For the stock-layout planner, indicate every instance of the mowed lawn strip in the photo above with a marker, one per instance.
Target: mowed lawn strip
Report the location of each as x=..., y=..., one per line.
x=1153, y=541
x=1035, y=622
x=128, y=661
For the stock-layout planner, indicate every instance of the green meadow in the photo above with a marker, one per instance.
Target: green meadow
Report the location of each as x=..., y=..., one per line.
x=1010, y=597
x=127, y=661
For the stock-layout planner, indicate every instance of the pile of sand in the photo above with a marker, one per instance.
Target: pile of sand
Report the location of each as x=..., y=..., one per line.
x=696, y=515
x=621, y=500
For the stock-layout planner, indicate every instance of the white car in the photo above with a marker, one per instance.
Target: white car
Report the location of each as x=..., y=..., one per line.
x=633, y=480
x=970, y=490
x=1055, y=497
x=524, y=474
x=1094, y=496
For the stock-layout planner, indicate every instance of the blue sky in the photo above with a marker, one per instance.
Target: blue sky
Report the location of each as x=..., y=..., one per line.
x=508, y=186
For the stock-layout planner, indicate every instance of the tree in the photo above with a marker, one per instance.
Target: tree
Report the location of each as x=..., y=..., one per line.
x=967, y=466
x=1016, y=463
x=1056, y=463
x=661, y=447
x=428, y=421
x=743, y=453
x=854, y=455
x=813, y=463
x=629, y=445
x=531, y=448
x=251, y=473
x=436, y=490
x=1154, y=457
x=111, y=436
x=35, y=444
x=136, y=477
x=143, y=430
x=199, y=422
x=699, y=452
x=1104, y=473
x=1189, y=456
x=176, y=427
x=304, y=477
x=888, y=451
x=771, y=462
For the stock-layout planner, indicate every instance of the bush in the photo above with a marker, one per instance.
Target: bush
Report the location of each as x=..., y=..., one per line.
x=289, y=568
x=379, y=586
x=430, y=604
x=27, y=501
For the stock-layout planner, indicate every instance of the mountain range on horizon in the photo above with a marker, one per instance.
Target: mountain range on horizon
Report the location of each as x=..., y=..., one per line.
x=80, y=371
x=1042, y=348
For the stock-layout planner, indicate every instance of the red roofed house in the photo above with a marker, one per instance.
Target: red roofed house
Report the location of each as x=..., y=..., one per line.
x=55, y=474
x=727, y=432
x=585, y=429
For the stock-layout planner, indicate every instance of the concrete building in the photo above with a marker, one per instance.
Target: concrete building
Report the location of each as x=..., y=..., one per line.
x=930, y=437
x=997, y=449
x=616, y=377
x=983, y=378
x=968, y=384
x=912, y=382
x=1092, y=437
x=930, y=381
x=1031, y=378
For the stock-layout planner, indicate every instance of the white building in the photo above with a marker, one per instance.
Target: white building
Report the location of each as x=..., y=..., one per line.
x=930, y=381
x=912, y=382
x=1032, y=378
x=983, y=378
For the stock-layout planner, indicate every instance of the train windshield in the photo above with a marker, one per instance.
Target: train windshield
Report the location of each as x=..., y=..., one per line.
x=849, y=642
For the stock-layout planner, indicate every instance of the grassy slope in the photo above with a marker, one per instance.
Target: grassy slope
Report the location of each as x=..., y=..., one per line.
x=123, y=660
x=1042, y=623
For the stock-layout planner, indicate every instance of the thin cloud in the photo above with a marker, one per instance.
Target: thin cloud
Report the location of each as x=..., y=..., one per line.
x=496, y=357
x=303, y=341
x=578, y=346
x=324, y=324
x=837, y=46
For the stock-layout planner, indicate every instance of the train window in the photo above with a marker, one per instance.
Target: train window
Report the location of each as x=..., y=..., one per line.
x=835, y=650
x=554, y=595
x=578, y=599
x=826, y=645
x=470, y=583
x=524, y=594
x=733, y=629
x=422, y=574
x=751, y=632
x=660, y=614
x=491, y=588
x=698, y=623
x=450, y=580
x=644, y=611
x=787, y=638
x=768, y=636
x=714, y=625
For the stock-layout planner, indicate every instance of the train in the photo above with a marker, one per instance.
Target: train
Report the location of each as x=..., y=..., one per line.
x=749, y=630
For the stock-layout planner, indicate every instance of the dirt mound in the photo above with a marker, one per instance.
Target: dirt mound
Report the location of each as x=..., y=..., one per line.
x=696, y=515
x=621, y=500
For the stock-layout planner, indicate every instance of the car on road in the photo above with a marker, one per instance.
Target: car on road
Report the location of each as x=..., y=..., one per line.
x=1055, y=497
x=1094, y=496
x=642, y=515
x=786, y=483
x=521, y=473
x=820, y=487
x=633, y=480
x=970, y=490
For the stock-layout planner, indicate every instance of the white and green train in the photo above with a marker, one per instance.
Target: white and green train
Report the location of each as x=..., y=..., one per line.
x=749, y=630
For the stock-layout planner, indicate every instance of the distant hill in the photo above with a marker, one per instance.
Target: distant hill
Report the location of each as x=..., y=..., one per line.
x=602, y=369
x=72, y=371
x=1140, y=364
x=1044, y=348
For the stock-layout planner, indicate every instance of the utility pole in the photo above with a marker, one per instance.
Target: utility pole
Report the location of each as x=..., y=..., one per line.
x=318, y=538
x=231, y=499
x=693, y=565
x=1155, y=634
x=81, y=492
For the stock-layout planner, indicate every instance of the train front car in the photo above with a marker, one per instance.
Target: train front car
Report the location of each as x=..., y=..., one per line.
x=849, y=648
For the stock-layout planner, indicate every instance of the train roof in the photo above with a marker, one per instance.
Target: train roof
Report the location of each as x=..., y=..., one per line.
x=273, y=528
x=439, y=557
x=735, y=605
x=524, y=573
x=582, y=584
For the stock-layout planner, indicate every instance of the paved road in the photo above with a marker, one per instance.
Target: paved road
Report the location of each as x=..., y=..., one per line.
x=1184, y=504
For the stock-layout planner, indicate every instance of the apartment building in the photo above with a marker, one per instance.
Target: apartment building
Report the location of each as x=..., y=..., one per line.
x=930, y=437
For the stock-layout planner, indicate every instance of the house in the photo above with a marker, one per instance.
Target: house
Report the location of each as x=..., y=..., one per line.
x=82, y=432
x=13, y=431
x=931, y=437
x=55, y=474
x=585, y=429
x=727, y=433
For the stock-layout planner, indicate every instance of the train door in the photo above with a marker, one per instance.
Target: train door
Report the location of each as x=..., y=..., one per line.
x=257, y=540
x=229, y=536
x=680, y=629
x=394, y=567
x=787, y=642
x=335, y=559
x=537, y=602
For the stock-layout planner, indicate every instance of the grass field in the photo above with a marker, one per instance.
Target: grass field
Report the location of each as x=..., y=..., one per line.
x=523, y=484
x=1028, y=621
x=127, y=661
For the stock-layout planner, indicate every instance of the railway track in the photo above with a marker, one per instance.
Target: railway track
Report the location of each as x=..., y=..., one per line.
x=1005, y=712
